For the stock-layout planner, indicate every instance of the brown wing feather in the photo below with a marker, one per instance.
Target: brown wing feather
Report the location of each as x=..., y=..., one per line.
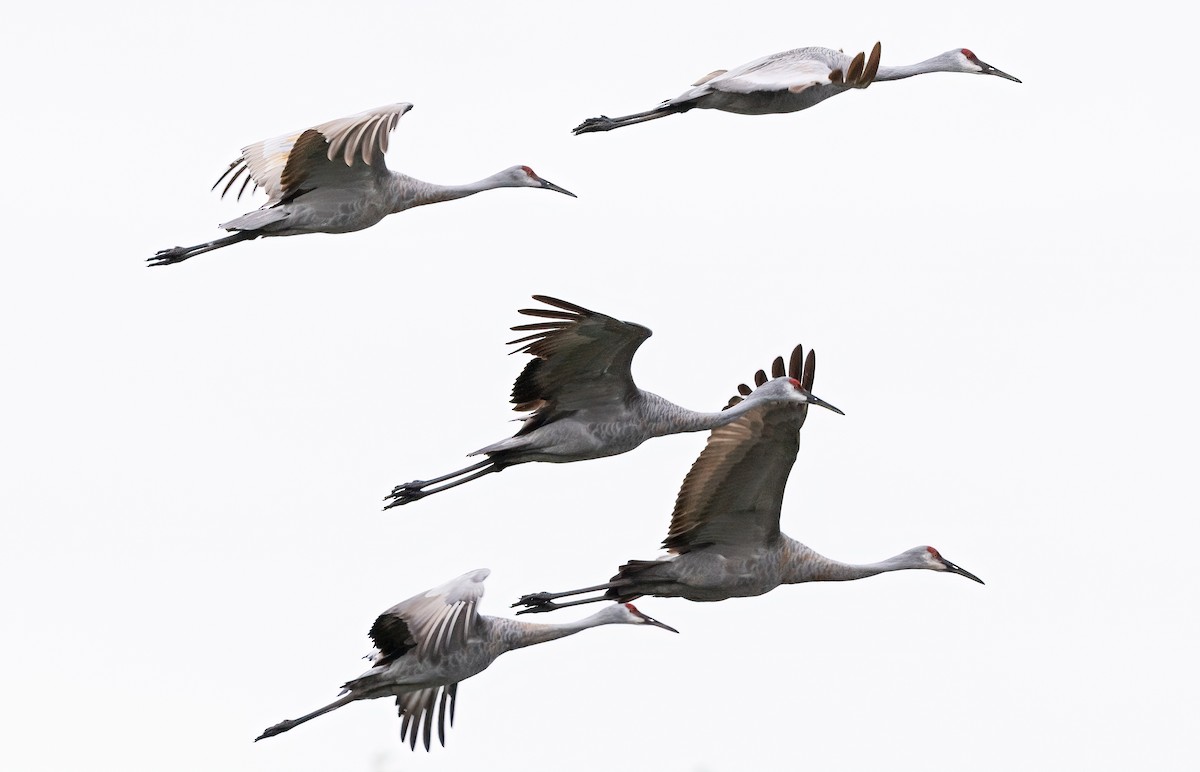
x=580, y=359
x=309, y=149
x=734, y=491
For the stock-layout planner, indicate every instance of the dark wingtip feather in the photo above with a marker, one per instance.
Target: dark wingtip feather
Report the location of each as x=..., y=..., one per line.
x=563, y=305
x=797, y=360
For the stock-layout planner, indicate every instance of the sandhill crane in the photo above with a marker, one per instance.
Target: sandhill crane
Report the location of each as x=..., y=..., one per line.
x=584, y=401
x=331, y=178
x=724, y=537
x=426, y=645
x=791, y=81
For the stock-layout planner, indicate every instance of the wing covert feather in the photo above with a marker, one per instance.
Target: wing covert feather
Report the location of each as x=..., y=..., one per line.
x=433, y=622
x=734, y=491
x=324, y=154
x=580, y=360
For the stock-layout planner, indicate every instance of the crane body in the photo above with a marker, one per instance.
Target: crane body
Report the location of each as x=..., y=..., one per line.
x=425, y=646
x=793, y=80
x=724, y=539
x=331, y=178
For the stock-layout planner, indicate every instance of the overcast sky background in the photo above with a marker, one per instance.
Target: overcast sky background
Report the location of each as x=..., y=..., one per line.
x=1000, y=281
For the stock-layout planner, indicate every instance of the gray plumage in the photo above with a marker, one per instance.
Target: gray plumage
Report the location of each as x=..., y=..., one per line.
x=425, y=646
x=332, y=178
x=792, y=80
x=724, y=540
x=584, y=401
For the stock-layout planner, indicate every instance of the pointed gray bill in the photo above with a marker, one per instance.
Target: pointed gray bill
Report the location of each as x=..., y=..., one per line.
x=813, y=399
x=652, y=621
x=548, y=185
x=990, y=70
x=961, y=571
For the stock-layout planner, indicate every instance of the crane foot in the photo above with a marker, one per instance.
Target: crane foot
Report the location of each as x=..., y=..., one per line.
x=537, y=603
x=279, y=728
x=169, y=256
x=602, y=123
x=405, y=494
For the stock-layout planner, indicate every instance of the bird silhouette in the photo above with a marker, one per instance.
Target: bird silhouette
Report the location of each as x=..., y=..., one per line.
x=790, y=81
x=584, y=401
x=724, y=540
x=426, y=645
x=332, y=178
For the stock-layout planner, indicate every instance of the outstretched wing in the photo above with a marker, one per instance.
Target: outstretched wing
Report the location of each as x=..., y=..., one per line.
x=335, y=152
x=432, y=623
x=733, y=493
x=798, y=70
x=416, y=708
x=581, y=359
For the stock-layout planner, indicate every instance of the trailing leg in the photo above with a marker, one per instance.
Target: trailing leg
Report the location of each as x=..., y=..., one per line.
x=604, y=123
x=179, y=254
x=419, y=489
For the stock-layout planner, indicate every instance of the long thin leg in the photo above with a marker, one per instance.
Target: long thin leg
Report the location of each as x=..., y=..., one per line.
x=419, y=489
x=284, y=726
x=552, y=606
x=544, y=601
x=604, y=123
x=179, y=254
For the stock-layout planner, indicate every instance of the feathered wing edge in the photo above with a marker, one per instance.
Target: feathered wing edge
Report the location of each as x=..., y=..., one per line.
x=574, y=329
x=416, y=710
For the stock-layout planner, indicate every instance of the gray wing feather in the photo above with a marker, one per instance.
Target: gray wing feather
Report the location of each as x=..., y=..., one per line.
x=433, y=622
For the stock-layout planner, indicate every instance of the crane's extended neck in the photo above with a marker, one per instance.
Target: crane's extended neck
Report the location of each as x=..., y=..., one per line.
x=408, y=192
x=665, y=417
x=803, y=564
x=946, y=62
x=516, y=634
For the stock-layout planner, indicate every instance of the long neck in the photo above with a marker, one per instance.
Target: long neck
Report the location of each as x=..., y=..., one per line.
x=665, y=417
x=515, y=634
x=803, y=564
x=407, y=192
x=939, y=63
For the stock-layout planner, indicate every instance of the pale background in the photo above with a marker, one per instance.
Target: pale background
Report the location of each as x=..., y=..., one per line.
x=1000, y=281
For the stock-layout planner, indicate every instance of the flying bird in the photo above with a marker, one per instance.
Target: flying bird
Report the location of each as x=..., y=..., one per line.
x=331, y=178
x=427, y=644
x=583, y=399
x=724, y=540
x=791, y=81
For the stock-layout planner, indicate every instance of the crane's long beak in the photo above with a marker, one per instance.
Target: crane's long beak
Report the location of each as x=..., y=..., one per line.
x=990, y=70
x=958, y=570
x=656, y=623
x=813, y=399
x=548, y=185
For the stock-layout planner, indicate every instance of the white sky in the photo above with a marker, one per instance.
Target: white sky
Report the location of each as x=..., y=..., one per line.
x=1000, y=281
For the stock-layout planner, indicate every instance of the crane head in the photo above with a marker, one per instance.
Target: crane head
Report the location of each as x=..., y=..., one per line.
x=785, y=389
x=932, y=559
x=524, y=177
x=972, y=63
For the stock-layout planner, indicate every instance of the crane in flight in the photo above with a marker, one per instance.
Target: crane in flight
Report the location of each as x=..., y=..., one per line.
x=724, y=540
x=332, y=178
x=426, y=645
x=584, y=401
x=792, y=80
